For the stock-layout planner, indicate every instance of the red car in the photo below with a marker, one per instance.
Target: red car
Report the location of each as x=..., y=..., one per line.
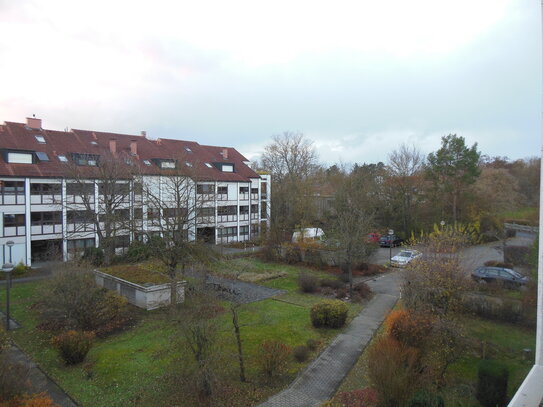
x=374, y=237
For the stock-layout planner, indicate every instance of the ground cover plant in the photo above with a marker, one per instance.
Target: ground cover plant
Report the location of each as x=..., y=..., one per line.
x=147, y=365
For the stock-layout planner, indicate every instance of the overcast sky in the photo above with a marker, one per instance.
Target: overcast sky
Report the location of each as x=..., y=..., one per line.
x=357, y=77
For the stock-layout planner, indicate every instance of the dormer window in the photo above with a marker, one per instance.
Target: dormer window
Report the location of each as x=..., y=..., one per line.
x=85, y=159
x=147, y=163
x=94, y=143
x=188, y=149
x=42, y=156
x=167, y=164
x=188, y=164
x=62, y=158
x=40, y=139
x=208, y=165
x=19, y=158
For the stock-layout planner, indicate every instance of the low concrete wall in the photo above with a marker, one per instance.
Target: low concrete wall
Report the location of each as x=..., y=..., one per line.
x=148, y=298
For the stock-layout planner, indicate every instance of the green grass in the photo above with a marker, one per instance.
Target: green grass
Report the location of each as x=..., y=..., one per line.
x=530, y=214
x=131, y=367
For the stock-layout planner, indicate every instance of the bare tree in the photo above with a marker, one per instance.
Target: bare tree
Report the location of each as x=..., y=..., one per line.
x=292, y=160
x=98, y=193
x=351, y=224
x=405, y=166
x=174, y=208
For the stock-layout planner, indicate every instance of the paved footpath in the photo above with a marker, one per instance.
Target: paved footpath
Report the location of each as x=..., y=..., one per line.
x=321, y=379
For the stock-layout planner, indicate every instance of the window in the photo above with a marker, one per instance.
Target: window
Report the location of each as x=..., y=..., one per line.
x=20, y=158
x=227, y=168
x=85, y=159
x=167, y=164
x=243, y=190
x=114, y=189
x=254, y=208
x=208, y=165
x=229, y=231
x=138, y=213
x=80, y=216
x=80, y=189
x=264, y=190
x=122, y=214
x=122, y=241
x=205, y=189
x=138, y=188
x=45, y=189
x=244, y=210
x=62, y=158
x=254, y=190
x=222, y=190
x=153, y=213
x=80, y=244
x=188, y=149
x=40, y=139
x=15, y=220
x=175, y=212
x=188, y=164
x=244, y=230
x=254, y=229
x=147, y=162
x=227, y=210
x=45, y=218
x=42, y=156
x=206, y=212
x=263, y=210
x=94, y=143
x=12, y=187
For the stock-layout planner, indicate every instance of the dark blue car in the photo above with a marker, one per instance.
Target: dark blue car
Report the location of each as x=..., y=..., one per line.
x=388, y=240
x=499, y=274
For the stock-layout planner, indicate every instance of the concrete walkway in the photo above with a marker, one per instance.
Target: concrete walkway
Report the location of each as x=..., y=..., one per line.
x=38, y=381
x=320, y=380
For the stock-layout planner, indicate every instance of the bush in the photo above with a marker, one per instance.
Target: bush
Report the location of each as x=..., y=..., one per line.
x=329, y=314
x=358, y=398
x=331, y=283
x=492, y=378
x=394, y=370
x=293, y=254
x=301, y=353
x=73, y=346
x=495, y=263
x=341, y=293
x=93, y=255
x=362, y=289
x=308, y=283
x=20, y=269
x=408, y=328
x=517, y=255
x=426, y=399
x=138, y=252
x=312, y=344
x=500, y=309
x=273, y=357
x=327, y=291
x=71, y=300
x=34, y=400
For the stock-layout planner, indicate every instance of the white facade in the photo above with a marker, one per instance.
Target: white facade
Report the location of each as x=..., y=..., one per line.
x=35, y=215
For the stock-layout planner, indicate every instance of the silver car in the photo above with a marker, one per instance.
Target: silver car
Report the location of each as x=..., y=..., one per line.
x=403, y=258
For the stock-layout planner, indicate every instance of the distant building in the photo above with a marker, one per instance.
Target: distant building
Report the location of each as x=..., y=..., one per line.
x=37, y=200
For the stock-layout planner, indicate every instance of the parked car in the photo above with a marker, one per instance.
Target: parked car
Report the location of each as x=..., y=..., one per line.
x=403, y=258
x=374, y=237
x=494, y=274
x=390, y=240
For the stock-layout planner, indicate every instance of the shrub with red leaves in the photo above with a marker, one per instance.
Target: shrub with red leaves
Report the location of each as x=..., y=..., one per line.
x=359, y=398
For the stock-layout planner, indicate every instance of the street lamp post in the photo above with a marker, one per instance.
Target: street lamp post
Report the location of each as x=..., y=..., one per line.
x=442, y=223
x=7, y=268
x=390, y=234
x=221, y=228
x=10, y=245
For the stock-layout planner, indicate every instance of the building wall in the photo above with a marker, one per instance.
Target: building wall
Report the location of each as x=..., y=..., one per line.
x=55, y=227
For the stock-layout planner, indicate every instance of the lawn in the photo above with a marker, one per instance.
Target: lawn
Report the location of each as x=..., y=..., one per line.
x=135, y=367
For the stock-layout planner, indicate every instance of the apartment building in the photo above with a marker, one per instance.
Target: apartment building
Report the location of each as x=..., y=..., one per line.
x=43, y=207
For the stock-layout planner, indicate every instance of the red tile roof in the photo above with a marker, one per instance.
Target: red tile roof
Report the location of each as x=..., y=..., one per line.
x=18, y=136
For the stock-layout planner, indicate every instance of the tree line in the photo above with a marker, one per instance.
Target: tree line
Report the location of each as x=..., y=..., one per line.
x=408, y=193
